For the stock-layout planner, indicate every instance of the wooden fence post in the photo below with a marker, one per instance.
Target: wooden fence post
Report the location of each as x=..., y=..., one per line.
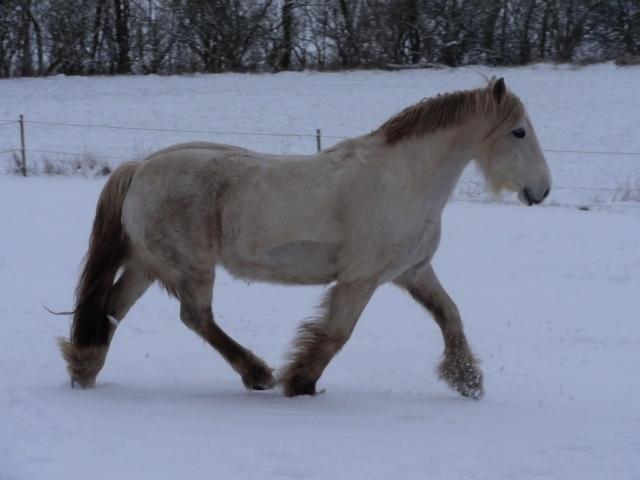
x=23, y=150
x=318, y=140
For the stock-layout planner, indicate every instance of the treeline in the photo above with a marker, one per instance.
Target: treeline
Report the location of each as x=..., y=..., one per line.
x=84, y=37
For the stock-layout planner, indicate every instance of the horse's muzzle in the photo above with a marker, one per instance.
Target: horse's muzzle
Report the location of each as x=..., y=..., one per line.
x=530, y=197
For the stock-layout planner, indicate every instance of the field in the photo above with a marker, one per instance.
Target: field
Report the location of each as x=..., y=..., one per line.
x=549, y=296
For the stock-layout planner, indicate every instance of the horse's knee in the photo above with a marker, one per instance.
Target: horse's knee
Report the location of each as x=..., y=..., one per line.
x=191, y=318
x=196, y=295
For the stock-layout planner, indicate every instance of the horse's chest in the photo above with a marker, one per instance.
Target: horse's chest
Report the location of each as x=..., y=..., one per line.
x=419, y=245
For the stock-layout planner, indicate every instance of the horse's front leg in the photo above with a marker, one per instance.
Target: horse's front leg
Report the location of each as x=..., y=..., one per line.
x=459, y=367
x=320, y=339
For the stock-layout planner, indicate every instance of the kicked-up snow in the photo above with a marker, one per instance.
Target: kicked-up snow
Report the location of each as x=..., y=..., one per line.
x=549, y=297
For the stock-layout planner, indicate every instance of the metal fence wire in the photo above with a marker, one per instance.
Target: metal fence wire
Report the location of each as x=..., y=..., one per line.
x=318, y=136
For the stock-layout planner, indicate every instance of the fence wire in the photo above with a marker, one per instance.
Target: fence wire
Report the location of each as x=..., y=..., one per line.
x=590, y=152
x=176, y=130
x=267, y=134
x=6, y=122
x=75, y=154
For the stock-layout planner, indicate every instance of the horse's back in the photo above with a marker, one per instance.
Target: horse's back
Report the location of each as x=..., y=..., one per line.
x=198, y=146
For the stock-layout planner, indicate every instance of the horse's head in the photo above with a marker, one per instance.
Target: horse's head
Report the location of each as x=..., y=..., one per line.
x=509, y=155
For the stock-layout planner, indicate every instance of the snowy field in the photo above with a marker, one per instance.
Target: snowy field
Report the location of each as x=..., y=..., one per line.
x=549, y=295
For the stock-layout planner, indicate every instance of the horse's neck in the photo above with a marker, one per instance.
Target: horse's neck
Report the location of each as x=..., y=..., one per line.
x=430, y=165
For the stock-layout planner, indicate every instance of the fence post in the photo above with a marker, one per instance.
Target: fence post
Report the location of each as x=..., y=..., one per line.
x=318, y=140
x=24, y=153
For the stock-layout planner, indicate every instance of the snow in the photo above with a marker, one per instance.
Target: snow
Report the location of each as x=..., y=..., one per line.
x=549, y=296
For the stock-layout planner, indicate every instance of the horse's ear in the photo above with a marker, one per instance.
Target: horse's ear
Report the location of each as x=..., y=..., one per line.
x=499, y=89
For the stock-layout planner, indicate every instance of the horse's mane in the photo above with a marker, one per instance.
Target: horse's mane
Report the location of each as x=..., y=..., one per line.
x=451, y=109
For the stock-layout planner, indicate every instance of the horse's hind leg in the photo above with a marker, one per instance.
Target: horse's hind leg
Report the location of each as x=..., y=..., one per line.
x=85, y=363
x=197, y=314
x=459, y=367
x=319, y=340
x=133, y=282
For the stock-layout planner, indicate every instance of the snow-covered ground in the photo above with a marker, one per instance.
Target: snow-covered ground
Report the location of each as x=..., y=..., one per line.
x=549, y=295
x=596, y=108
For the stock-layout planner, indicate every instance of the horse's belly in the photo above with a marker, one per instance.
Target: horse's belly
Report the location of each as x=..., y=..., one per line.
x=300, y=261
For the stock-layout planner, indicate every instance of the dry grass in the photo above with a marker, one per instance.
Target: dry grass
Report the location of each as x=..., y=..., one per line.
x=628, y=60
x=629, y=192
x=85, y=165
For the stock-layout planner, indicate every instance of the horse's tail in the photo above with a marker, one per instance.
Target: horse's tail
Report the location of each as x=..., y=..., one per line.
x=92, y=329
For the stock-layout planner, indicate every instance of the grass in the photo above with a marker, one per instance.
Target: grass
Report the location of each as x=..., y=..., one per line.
x=85, y=165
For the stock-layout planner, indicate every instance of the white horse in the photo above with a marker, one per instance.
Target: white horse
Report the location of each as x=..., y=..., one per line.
x=362, y=213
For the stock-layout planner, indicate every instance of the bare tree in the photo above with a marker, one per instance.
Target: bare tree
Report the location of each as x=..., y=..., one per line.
x=122, y=10
x=287, y=34
x=172, y=36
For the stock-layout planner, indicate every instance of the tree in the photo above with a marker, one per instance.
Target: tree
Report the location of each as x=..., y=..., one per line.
x=172, y=36
x=122, y=10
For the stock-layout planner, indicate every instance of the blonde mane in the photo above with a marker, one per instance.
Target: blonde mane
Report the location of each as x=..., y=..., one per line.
x=452, y=109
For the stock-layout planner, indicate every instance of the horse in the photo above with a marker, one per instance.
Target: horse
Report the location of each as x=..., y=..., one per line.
x=357, y=215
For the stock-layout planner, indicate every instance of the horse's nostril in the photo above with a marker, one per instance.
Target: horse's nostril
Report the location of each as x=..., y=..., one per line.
x=545, y=194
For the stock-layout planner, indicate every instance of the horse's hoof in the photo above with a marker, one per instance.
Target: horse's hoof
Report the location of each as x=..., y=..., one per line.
x=463, y=375
x=299, y=386
x=265, y=384
x=83, y=384
x=474, y=392
x=260, y=377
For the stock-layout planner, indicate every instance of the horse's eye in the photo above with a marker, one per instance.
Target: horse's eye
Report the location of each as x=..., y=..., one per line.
x=518, y=132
